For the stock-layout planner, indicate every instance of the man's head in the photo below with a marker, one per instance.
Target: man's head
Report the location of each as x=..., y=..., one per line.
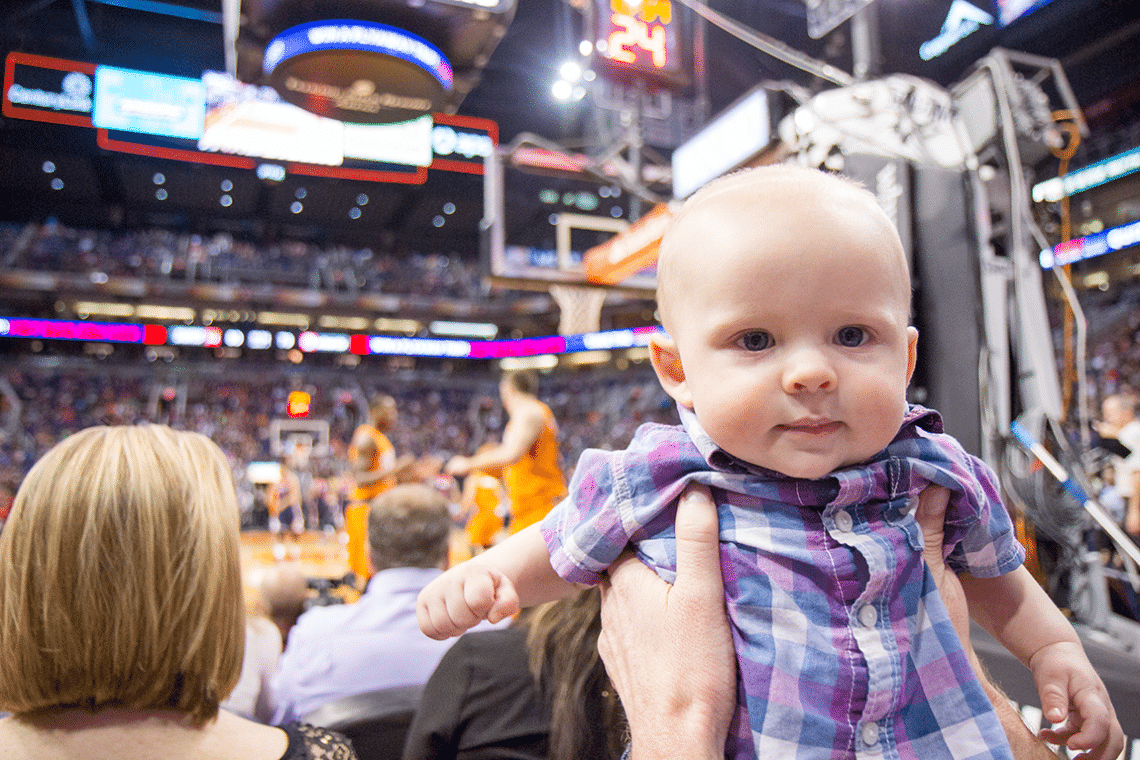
x=785, y=294
x=283, y=592
x=382, y=411
x=522, y=382
x=408, y=526
x=1118, y=409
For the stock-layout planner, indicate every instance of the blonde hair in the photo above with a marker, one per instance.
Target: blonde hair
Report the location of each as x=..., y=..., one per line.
x=120, y=580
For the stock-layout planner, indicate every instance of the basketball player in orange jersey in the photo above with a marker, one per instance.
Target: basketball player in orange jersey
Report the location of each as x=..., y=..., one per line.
x=376, y=468
x=484, y=500
x=528, y=452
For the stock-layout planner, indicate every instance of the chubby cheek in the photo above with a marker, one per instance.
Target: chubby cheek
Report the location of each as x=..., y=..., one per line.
x=733, y=417
x=881, y=407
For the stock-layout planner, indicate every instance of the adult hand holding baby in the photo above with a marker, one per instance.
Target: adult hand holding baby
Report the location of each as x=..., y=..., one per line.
x=668, y=649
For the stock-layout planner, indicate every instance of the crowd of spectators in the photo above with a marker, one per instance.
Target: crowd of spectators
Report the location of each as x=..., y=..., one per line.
x=157, y=254
x=439, y=416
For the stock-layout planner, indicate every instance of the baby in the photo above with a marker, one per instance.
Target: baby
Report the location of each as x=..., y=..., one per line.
x=785, y=296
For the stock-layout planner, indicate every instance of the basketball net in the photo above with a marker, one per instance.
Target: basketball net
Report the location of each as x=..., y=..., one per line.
x=580, y=308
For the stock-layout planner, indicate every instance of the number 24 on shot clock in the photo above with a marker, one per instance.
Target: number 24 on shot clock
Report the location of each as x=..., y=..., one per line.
x=641, y=38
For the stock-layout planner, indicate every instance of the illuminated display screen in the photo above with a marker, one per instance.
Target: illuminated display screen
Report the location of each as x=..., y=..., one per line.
x=358, y=35
x=221, y=121
x=314, y=342
x=639, y=37
x=48, y=89
x=733, y=137
x=138, y=101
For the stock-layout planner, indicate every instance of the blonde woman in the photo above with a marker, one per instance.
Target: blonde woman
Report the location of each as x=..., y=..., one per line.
x=121, y=609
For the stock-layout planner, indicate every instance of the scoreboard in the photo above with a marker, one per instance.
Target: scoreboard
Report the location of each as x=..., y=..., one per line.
x=640, y=39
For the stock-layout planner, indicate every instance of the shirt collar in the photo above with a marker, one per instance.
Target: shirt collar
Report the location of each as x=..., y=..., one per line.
x=716, y=457
x=397, y=579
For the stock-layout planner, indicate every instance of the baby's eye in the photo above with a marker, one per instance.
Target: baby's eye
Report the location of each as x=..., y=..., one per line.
x=851, y=336
x=757, y=340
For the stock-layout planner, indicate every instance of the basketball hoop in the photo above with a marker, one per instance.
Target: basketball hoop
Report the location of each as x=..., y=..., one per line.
x=580, y=308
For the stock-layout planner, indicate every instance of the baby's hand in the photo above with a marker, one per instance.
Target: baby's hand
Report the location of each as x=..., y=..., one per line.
x=467, y=593
x=1070, y=688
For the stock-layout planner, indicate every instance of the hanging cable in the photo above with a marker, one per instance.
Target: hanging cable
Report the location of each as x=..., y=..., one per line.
x=1071, y=374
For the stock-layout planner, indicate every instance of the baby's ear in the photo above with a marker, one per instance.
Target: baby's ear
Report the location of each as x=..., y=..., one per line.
x=911, y=352
x=666, y=361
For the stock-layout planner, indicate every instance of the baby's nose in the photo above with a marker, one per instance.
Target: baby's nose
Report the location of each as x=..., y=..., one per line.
x=808, y=371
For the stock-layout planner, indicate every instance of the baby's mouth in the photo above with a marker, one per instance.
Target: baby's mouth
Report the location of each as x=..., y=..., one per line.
x=812, y=426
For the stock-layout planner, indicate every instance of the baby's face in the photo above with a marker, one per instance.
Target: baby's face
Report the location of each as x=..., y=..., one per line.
x=789, y=313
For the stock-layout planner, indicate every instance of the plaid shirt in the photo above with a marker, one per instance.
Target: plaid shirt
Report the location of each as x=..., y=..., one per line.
x=844, y=644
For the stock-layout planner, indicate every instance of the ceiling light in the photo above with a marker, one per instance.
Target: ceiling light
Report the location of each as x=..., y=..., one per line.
x=562, y=90
x=542, y=361
x=165, y=313
x=103, y=309
x=585, y=47
x=358, y=324
x=464, y=329
x=384, y=324
x=283, y=318
x=583, y=358
x=571, y=71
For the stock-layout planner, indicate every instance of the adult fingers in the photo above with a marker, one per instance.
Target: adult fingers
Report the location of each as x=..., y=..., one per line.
x=698, y=544
x=931, y=517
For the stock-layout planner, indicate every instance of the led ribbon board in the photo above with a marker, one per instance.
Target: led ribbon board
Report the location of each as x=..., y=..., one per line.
x=314, y=342
x=358, y=71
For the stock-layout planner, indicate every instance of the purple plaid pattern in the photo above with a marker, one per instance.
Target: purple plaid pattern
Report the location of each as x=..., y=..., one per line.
x=844, y=645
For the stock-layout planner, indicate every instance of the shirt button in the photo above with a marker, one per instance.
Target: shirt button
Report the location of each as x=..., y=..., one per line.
x=870, y=733
x=843, y=521
x=868, y=616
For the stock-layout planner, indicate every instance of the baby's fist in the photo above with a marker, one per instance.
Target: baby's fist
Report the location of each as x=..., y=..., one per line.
x=463, y=596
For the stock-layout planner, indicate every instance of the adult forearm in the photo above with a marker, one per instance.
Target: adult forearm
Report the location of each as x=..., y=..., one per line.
x=1022, y=742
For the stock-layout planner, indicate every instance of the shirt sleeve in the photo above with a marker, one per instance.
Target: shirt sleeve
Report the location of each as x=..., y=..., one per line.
x=617, y=497
x=979, y=537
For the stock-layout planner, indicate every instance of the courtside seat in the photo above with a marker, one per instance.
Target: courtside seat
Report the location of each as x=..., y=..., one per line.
x=376, y=721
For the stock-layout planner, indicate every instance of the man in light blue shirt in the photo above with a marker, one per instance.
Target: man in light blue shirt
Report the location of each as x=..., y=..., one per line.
x=343, y=650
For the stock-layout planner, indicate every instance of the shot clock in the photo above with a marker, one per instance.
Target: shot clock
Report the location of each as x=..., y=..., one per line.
x=640, y=39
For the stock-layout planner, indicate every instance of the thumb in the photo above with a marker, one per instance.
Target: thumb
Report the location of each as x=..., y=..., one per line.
x=1054, y=703
x=931, y=518
x=698, y=543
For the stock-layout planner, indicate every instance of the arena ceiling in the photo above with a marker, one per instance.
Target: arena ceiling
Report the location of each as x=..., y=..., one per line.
x=1098, y=42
